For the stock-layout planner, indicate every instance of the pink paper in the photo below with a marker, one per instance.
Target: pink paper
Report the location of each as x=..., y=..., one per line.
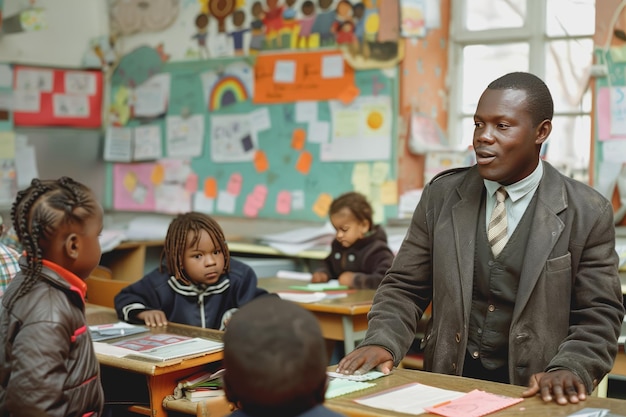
x=475, y=403
x=604, y=115
x=283, y=202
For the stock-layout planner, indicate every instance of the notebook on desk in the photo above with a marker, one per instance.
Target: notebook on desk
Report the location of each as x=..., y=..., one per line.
x=165, y=346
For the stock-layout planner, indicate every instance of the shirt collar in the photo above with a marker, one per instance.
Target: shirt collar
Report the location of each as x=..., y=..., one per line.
x=519, y=189
x=73, y=280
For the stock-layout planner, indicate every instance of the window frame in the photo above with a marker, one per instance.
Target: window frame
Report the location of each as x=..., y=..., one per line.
x=532, y=32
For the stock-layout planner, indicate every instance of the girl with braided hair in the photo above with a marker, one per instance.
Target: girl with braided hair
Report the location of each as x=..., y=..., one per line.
x=47, y=362
x=197, y=282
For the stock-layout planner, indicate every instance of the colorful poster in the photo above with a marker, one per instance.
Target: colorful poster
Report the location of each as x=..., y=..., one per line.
x=288, y=78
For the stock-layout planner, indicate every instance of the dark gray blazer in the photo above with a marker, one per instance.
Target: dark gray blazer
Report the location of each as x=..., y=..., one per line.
x=569, y=307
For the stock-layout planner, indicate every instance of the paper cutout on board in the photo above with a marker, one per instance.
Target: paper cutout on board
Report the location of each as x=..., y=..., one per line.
x=618, y=111
x=226, y=202
x=283, y=202
x=318, y=132
x=227, y=91
x=234, y=184
x=298, y=138
x=306, y=111
x=150, y=99
x=413, y=14
x=232, y=84
x=604, y=115
x=322, y=204
x=185, y=136
x=132, y=187
x=294, y=77
x=255, y=201
x=118, y=144
x=56, y=97
x=361, y=178
x=210, y=187
x=361, y=131
x=261, y=164
x=232, y=139
x=260, y=119
x=191, y=185
x=202, y=203
x=147, y=143
x=303, y=165
x=138, y=65
x=158, y=174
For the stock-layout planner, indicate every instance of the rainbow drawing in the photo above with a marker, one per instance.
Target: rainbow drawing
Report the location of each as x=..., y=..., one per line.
x=226, y=91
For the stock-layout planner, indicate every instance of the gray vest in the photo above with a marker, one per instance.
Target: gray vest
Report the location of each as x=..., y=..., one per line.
x=494, y=291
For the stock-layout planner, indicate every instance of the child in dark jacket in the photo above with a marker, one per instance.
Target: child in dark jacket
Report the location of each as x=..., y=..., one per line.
x=275, y=361
x=197, y=283
x=48, y=366
x=359, y=255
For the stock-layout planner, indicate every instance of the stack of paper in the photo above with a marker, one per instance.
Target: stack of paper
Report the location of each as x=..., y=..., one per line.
x=200, y=385
x=298, y=240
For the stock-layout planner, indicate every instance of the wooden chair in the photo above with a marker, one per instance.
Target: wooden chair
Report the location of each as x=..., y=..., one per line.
x=102, y=288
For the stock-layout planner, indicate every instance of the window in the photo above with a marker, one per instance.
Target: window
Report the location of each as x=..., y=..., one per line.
x=550, y=38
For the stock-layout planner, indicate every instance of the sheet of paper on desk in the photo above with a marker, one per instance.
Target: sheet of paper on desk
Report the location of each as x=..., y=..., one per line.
x=411, y=398
x=332, y=285
x=301, y=276
x=591, y=412
x=475, y=403
x=163, y=346
x=112, y=330
x=299, y=297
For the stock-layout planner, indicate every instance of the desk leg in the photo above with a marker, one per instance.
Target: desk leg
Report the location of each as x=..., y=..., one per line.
x=351, y=336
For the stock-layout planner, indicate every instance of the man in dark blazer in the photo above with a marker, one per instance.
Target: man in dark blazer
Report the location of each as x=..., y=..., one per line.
x=546, y=310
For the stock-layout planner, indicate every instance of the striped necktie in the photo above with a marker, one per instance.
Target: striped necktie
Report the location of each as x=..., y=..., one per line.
x=496, y=232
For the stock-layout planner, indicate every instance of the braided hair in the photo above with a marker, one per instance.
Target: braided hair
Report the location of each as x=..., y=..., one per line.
x=37, y=213
x=356, y=203
x=176, y=241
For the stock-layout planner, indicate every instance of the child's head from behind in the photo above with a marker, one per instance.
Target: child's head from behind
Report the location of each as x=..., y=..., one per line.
x=351, y=216
x=195, y=249
x=60, y=221
x=275, y=358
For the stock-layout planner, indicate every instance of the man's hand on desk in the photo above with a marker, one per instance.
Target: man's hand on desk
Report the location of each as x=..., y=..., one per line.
x=364, y=359
x=563, y=386
x=153, y=318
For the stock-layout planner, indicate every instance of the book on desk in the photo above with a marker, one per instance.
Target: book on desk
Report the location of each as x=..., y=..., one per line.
x=160, y=347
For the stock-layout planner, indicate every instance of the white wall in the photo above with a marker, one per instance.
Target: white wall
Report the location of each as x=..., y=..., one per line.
x=70, y=26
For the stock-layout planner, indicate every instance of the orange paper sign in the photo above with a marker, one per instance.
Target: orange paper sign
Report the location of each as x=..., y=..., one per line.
x=304, y=163
x=284, y=78
x=322, y=204
x=210, y=187
x=260, y=161
x=297, y=139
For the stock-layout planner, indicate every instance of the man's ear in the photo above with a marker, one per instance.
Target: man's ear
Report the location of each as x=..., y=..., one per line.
x=543, y=131
x=72, y=245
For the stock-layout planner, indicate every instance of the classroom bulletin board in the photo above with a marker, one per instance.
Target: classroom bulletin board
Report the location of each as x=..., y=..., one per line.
x=274, y=136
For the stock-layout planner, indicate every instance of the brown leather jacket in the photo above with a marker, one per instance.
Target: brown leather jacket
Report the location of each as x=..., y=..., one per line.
x=47, y=363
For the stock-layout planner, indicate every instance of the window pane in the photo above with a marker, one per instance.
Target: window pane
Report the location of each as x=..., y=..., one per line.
x=568, y=145
x=466, y=131
x=484, y=63
x=567, y=74
x=494, y=14
x=571, y=17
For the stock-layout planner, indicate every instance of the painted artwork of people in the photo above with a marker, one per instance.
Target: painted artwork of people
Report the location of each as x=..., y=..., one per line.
x=202, y=29
x=306, y=24
x=257, y=28
x=323, y=22
x=238, y=19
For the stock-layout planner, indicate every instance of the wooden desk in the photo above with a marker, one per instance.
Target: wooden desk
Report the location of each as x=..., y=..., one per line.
x=161, y=377
x=341, y=319
x=527, y=408
x=530, y=407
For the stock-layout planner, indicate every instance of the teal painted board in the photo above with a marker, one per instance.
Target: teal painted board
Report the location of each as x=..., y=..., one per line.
x=616, y=78
x=286, y=173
